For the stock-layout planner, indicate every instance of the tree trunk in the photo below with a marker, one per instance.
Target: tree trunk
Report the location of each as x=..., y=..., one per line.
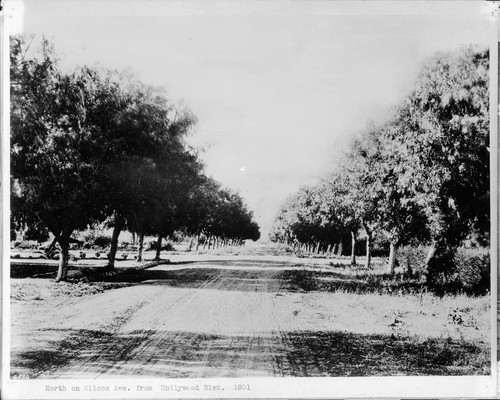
x=409, y=269
x=133, y=238
x=431, y=253
x=158, y=247
x=340, y=249
x=50, y=247
x=114, y=243
x=198, y=241
x=439, y=262
x=353, y=250
x=369, y=242
x=141, y=246
x=62, y=270
x=191, y=244
x=392, y=258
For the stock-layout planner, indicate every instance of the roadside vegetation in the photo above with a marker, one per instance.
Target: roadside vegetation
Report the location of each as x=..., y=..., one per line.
x=414, y=189
x=92, y=146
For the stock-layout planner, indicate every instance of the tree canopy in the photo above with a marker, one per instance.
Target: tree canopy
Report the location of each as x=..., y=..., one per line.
x=91, y=145
x=420, y=177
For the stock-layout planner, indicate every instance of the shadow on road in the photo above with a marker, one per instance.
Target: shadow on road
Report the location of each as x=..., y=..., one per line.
x=87, y=353
x=26, y=269
x=243, y=275
x=205, y=278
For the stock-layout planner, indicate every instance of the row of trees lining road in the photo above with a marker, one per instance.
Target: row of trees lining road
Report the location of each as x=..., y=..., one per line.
x=93, y=145
x=219, y=214
x=422, y=177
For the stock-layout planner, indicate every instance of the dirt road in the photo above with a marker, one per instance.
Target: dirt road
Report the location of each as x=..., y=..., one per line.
x=227, y=325
x=232, y=318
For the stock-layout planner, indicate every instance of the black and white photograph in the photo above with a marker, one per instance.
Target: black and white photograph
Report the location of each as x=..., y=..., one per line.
x=247, y=199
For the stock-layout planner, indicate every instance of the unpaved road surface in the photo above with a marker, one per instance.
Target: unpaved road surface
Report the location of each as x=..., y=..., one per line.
x=227, y=324
x=233, y=318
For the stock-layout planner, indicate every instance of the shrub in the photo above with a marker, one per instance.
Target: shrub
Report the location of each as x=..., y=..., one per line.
x=94, y=241
x=25, y=245
x=473, y=270
x=462, y=271
x=380, y=247
x=413, y=259
x=166, y=246
x=177, y=237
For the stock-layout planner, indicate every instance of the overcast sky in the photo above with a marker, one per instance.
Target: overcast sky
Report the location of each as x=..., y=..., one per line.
x=279, y=87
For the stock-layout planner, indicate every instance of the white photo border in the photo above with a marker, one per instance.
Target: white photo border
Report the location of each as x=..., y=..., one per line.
x=359, y=387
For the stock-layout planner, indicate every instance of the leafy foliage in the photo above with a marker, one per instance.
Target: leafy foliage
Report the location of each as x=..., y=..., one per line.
x=420, y=178
x=92, y=145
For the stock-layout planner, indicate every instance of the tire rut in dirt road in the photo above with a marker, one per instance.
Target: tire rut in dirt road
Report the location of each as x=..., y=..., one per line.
x=227, y=326
x=264, y=343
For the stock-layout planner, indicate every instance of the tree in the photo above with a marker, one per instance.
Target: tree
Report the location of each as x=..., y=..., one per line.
x=309, y=218
x=443, y=129
x=227, y=216
x=55, y=157
x=362, y=167
x=339, y=196
x=383, y=202
x=91, y=145
x=150, y=177
x=200, y=207
x=401, y=218
x=179, y=172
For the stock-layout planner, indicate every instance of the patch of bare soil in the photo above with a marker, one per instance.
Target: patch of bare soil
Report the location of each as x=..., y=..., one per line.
x=232, y=320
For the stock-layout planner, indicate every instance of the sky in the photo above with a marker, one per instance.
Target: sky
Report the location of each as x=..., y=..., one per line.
x=279, y=87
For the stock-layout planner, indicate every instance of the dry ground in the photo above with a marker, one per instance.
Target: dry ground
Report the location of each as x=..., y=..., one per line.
x=238, y=316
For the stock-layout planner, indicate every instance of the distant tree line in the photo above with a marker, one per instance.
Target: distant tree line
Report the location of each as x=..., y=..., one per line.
x=422, y=177
x=93, y=145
